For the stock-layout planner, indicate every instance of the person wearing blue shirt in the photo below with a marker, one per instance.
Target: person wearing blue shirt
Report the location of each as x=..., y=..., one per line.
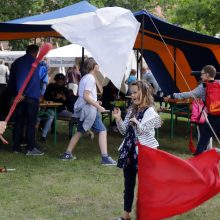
x=132, y=77
x=43, y=74
x=28, y=106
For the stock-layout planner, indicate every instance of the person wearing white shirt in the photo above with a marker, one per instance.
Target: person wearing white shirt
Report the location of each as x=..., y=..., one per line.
x=4, y=73
x=87, y=108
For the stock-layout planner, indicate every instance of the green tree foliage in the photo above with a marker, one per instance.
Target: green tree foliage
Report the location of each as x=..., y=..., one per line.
x=133, y=5
x=197, y=15
x=14, y=9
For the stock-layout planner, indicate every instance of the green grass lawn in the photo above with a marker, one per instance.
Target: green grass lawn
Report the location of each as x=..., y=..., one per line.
x=45, y=187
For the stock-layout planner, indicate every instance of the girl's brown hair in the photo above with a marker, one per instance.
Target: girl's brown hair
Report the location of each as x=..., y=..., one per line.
x=146, y=95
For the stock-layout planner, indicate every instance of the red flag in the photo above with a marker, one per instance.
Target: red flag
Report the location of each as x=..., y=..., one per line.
x=168, y=185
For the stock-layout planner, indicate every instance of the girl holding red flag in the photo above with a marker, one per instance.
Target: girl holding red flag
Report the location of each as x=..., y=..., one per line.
x=138, y=126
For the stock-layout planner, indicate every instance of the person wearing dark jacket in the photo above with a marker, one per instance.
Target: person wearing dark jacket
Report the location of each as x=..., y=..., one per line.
x=28, y=106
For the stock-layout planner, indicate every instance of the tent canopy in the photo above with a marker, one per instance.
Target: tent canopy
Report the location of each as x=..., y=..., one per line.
x=51, y=17
x=190, y=50
x=40, y=25
x=71, y=50
x=59, y=57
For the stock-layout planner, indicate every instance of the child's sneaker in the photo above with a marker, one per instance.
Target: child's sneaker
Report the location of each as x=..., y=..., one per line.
x=108, y=161
x=67, y=156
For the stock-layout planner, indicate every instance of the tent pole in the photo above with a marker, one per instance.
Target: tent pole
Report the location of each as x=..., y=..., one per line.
x=142, y=45
x=175, y=66
x=137, y=56
x=82, y=61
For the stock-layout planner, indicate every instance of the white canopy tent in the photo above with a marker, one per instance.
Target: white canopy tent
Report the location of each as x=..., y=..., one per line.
x=60, y=57
x=65, y=56
x=10, y=56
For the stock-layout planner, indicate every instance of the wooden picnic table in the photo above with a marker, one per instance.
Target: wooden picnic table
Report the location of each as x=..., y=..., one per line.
x=178, y=108
x=45, y=115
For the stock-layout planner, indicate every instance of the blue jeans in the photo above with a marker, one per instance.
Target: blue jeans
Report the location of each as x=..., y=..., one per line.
x=49, y=120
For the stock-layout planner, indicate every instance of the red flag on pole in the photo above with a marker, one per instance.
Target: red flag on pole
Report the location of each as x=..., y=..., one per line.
x=168, y=185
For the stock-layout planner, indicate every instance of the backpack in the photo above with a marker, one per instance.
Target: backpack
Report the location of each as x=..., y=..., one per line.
x=196, y=112
x=213, y=97
x=196, y=117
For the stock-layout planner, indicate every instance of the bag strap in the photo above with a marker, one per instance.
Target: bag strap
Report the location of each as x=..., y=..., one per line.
x=201, y=113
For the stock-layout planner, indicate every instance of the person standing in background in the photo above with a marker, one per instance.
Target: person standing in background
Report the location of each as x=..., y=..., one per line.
x=132, y=77
x=4, y=74
x=28, y=106
x=73, y=76
x=43, y=73
x=149, y=77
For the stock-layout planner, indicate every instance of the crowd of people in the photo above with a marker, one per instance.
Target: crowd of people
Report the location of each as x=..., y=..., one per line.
x=64, y=90
x=79, y=100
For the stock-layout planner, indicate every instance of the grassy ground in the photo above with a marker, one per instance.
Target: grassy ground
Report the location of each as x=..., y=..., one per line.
x=48, y=188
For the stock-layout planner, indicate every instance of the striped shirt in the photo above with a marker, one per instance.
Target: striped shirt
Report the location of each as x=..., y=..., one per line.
x=145, y=128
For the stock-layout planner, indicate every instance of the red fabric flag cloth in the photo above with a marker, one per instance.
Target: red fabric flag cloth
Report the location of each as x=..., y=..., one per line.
x=169, y=185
